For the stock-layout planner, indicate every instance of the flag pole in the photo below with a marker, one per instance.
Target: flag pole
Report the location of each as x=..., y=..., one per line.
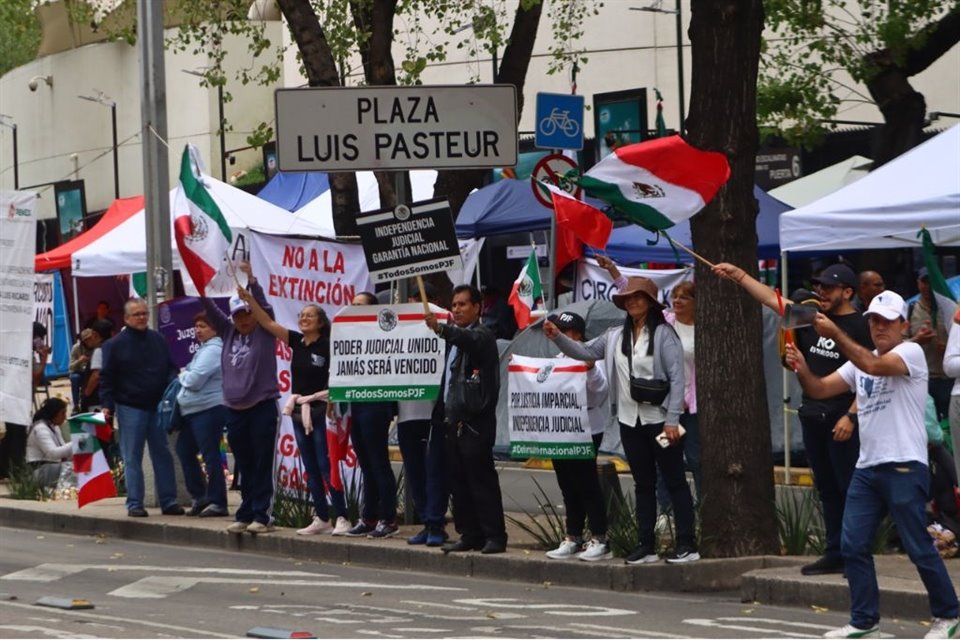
x=690, y=251
x=423, y=294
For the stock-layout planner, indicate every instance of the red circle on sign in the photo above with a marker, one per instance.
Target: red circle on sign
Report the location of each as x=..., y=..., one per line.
x=553, y=169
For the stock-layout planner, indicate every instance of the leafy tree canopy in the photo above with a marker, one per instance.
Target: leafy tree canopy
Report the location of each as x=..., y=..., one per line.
x=19, y=33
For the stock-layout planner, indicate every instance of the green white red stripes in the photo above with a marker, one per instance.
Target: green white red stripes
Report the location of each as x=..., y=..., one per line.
x=202, y=233
x=94, y=479
x=526, y=292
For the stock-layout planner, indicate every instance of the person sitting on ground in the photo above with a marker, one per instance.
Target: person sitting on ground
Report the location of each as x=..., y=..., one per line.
x=646, y=349
x=307, y=407
x=578, y=479
x=203, y=416
x=48, y=453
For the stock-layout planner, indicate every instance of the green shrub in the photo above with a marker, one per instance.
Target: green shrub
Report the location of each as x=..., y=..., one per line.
x=546, y=526
x=22, y=485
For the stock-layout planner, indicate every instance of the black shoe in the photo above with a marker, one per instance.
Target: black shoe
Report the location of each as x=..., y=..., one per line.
x=823, y=566
x=463, y=545
x=642, y=554
x=196, y=509
x=137, y=512
x=173, y=510
x=493, y=546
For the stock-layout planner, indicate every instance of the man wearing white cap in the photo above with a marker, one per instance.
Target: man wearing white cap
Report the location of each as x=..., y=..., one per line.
x=891, y=474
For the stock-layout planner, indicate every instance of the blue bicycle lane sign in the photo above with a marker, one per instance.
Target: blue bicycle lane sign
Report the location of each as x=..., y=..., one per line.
x=559, y=121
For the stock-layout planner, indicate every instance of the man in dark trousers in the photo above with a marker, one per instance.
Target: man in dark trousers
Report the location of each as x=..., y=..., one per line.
x=136, y=369
x=830, y=434
x=467, y=410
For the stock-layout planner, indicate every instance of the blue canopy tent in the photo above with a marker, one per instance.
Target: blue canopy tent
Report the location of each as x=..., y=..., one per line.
x=628, y=245
x=291, y=191
x=509, y=206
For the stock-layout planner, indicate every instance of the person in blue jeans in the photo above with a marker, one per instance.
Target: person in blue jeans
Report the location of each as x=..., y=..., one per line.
x=307, y=408
x=249, y=366
x=136, y=369
x=891, y=473
x=371, y=427
x=201, y=407
x=422, y=447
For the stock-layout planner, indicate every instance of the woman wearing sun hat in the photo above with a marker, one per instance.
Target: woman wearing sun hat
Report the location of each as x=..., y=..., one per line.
x=644, y=365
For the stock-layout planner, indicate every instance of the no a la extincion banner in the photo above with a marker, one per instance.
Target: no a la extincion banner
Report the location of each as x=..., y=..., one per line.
x=548, y=408
x=383, y=353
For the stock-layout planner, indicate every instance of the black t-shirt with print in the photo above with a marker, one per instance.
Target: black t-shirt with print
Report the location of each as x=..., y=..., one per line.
x=309, y=365
x=823, y=357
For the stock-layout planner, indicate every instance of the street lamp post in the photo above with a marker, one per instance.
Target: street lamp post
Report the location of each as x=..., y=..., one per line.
x=99, y=98
x=223, y=123
x=16, y=163
x=655, y=8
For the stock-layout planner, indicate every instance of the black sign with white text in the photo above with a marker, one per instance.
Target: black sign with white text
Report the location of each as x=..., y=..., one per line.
x=409, y=240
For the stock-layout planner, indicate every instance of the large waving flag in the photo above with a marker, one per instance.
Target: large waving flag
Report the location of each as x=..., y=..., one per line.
x=944, y=302
x=657, y=183
x=203, y=235
x=94, y=479
x=588, y=223
x=526, y=292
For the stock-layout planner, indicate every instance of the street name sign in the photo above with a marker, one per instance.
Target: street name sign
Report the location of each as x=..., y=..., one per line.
x=415, y=127
x=409, y=240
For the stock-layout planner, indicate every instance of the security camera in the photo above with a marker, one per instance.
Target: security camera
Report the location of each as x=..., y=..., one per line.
x=36, y=80
x=33, y=84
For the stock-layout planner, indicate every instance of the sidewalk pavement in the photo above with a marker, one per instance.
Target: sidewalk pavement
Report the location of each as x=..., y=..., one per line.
x=766, y=579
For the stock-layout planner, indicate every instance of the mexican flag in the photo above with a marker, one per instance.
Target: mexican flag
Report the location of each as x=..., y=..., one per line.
x=657, y=183
x=588, y=223
x=94, y=479
x=203, y=235
x=526, y=291
x=944, y=302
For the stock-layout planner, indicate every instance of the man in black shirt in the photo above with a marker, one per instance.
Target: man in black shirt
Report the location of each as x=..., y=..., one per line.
x=830, y=434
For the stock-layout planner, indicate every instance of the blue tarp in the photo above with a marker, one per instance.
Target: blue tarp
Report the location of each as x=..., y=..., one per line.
x=509, y=206
x=628, y=245
x=293, y=190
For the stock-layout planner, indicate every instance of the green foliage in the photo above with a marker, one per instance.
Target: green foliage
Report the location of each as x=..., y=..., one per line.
x=19, y=34
x=622, y=532
x=292, y=506
x=22, y=485
x=819, y=54
x=546, y=526
x=799, y=524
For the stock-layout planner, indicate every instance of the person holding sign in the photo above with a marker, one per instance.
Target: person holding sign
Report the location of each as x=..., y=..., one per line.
x=250, y=392
x=644, y=363
x=468, y=409
x=578, y=479
x=307, y=406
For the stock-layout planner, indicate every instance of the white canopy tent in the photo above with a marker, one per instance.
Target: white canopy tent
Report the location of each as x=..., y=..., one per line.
x=803, y=191
x=124, y=249
x=319, y=211
x=887, y=208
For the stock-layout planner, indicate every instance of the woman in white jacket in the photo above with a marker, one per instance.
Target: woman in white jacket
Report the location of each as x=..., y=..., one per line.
x=645, y=348
x=951, y=368
x=47, y=450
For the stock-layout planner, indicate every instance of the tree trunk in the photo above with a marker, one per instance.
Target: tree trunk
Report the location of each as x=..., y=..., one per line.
x=737, y=509
x=457, y=185
x=321, y=69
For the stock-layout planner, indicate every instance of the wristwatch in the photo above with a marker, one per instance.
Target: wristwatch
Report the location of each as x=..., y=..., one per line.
x=853, y=418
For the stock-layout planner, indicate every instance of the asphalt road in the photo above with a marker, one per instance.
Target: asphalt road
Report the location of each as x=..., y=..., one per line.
x=157, y=591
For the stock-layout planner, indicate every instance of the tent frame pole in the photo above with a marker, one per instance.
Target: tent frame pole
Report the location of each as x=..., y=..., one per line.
x=76, y=305
x=786, y=381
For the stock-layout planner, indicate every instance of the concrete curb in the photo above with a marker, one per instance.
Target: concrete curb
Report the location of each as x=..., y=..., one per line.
x=516, y=565
x=899, y=597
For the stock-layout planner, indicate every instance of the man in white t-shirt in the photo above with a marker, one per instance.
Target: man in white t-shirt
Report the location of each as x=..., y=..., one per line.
x=891, y=473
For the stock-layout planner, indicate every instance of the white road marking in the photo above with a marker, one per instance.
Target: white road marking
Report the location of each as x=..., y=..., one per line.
x=555, y=608
x=767, y=632
x=51, y=572
x=500, y=615
x=789, y=623
x=177, y=629
x=438, y=604
x=622, y=632
x=423, y=630
x=29, y=631
x=163, y=586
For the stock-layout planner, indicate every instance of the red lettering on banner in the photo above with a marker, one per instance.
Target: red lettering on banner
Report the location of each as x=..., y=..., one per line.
x=288, y=446
x=337, y=266
x=292, y=257
x=314, y=260
x=283, y=351
x=283, y=381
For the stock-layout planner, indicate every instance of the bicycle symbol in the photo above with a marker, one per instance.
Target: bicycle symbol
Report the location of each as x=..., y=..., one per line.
x=559, y=119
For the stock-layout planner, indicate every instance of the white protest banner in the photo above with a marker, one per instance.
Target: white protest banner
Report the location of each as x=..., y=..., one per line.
x=43, y=307
x=594, y=283
x=385, y=353
x=17, y=243
x=295, y=272
x=547, y=408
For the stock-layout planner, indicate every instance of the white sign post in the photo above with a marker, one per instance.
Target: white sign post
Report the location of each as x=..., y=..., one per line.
x=17, y=240
x=415, y=127
x=547, y=408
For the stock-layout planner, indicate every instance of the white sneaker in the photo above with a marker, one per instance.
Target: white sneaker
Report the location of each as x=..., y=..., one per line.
x=258, y=527
x=943, y=628
x=343, y=525
x=238, y=527
x=316, y=527
x=596, y=550
x=567, y=549
x=850, y=631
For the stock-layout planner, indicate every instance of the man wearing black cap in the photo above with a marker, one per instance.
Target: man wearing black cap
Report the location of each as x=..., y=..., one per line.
x=830, y=436
x=927, y=330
